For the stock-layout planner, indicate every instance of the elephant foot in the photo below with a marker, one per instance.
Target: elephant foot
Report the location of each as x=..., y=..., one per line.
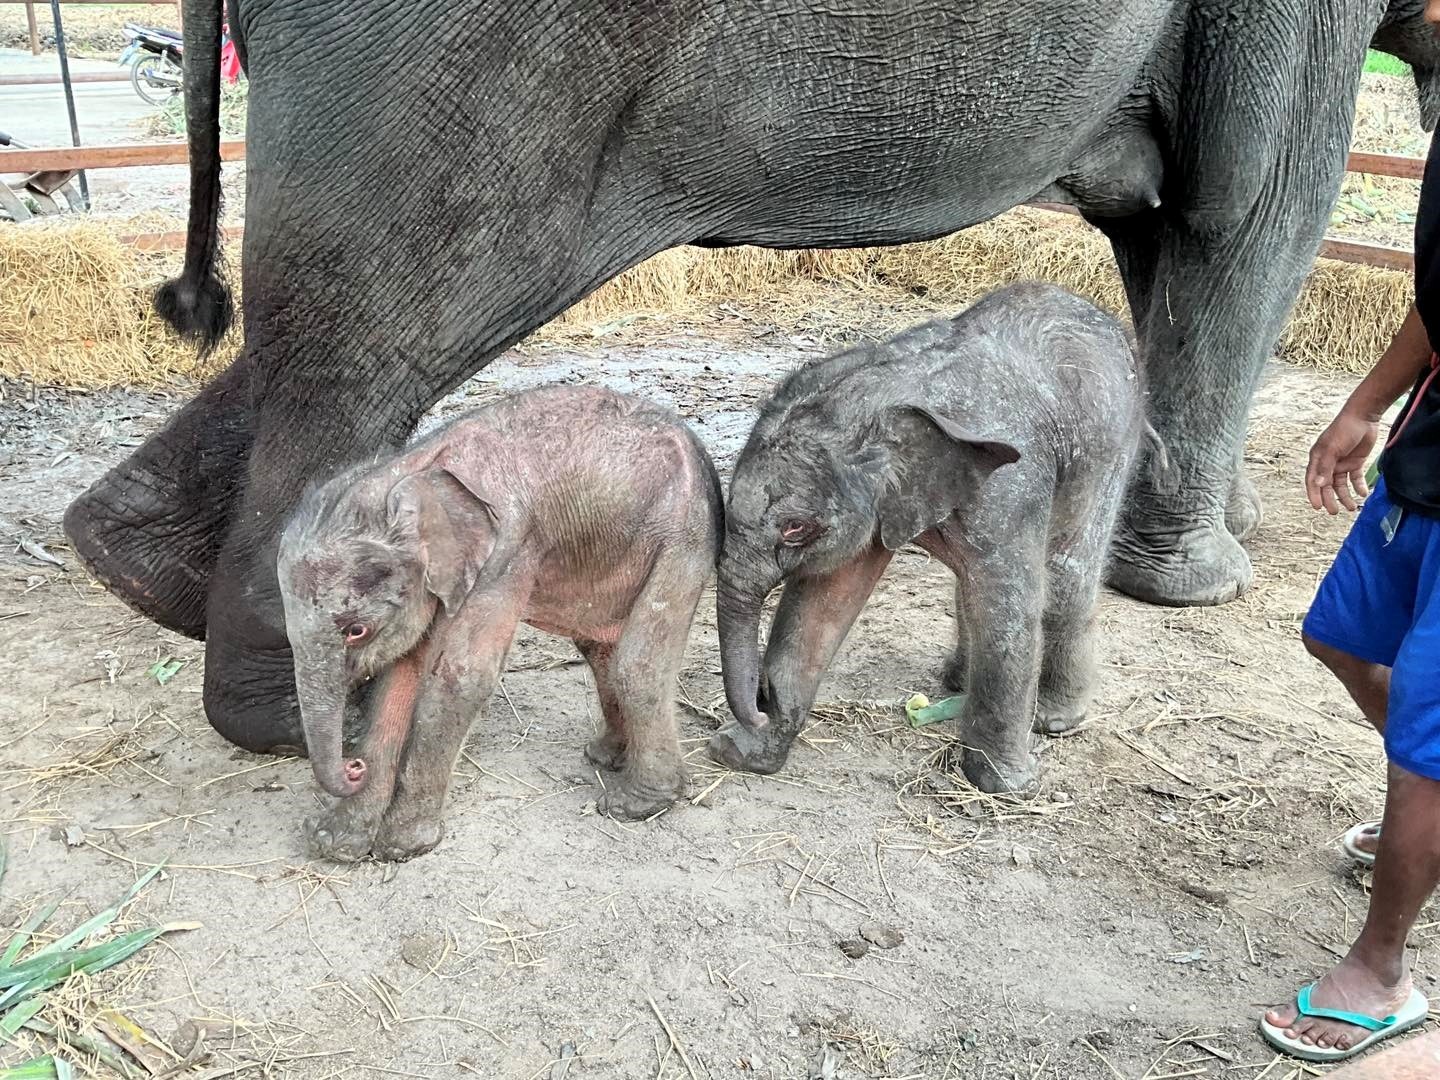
x=1204, y=567
x=606, y=751
x=954, y=674
x=249, y=692
x=641, y=795
x=1244, y=510
x=403, y=837
x=1059, y=716
x=995, y=776
x=344, y=833
x=120, y=529
x=758, y=750
x=150, y=529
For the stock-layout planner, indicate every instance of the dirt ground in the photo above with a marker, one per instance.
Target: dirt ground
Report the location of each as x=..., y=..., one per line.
x=1179, y=871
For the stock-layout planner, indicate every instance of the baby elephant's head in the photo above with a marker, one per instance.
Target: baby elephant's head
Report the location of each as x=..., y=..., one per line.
x=365, y=563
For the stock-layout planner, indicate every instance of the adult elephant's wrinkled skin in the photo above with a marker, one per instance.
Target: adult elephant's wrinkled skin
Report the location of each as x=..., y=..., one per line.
x=545, y=147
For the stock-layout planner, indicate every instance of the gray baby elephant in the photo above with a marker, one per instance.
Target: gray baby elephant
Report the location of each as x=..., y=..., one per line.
x=582, y=512
x=1001, y=442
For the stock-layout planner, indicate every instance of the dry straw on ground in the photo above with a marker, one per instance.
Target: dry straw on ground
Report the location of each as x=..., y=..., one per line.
x=75, y=310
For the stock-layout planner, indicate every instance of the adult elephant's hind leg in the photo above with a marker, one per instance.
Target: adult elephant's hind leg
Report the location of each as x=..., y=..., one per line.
x=150, y=528
x=1213, y=317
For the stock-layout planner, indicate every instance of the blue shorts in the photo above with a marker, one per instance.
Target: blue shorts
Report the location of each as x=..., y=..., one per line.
x=1381, y=602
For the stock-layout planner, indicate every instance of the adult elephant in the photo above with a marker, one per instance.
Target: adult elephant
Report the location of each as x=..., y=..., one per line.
x=548, y=146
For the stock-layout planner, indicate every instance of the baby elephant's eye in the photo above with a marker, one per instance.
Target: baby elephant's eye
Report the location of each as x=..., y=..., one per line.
x=796, y=532
x=356, y=633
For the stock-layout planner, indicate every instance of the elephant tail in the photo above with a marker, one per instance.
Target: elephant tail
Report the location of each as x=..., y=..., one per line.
x=197, y=304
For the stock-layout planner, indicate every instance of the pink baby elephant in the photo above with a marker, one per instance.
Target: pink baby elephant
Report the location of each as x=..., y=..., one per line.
x=582, y=512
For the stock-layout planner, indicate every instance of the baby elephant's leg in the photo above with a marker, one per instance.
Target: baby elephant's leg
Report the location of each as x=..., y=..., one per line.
x=643, y=673
x=1005, y=605
x=607, y=748
x=346, y=830
x=463, y=666
x=1067, y=676
x=954, y=676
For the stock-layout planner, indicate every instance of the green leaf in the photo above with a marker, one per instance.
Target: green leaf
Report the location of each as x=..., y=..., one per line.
x=19, y=1016
x=166, y=669
x=99, y=922
x=24, y=933
x=41, y=1068
x=1373, y=473
x=81, y=962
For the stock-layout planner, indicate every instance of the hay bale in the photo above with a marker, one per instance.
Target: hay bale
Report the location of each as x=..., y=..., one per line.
x=75, y=306
x=75, y=300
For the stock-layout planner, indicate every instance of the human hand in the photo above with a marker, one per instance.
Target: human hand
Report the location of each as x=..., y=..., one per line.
x=1337, y=462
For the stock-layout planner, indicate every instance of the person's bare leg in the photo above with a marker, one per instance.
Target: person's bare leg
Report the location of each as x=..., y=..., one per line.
x=1374, y=978
x=1367, y=684
x=1369, y=687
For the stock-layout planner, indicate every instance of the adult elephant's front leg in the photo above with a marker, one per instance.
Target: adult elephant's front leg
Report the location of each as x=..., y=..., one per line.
x=812, y=620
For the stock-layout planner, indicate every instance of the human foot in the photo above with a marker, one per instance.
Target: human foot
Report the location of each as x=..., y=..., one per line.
x=1349, y=988
x=1362, y=842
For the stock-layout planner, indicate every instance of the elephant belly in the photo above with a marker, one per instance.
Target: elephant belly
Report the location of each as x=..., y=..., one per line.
x=593, y=610
x=883, y=123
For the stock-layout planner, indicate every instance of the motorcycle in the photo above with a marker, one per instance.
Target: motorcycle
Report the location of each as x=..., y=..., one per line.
x=156, y=60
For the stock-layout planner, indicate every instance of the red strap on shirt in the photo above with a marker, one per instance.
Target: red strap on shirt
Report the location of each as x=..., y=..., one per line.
x=1419, y=397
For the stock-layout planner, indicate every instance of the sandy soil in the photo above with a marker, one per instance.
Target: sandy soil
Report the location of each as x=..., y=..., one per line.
x=1180, y=869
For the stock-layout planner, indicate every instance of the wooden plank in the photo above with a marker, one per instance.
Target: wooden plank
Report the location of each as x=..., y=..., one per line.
x=33, y=27
x=55, y=80
x=118, y=156
x=1406, y=168
x=173, y=241
x=1378, y=255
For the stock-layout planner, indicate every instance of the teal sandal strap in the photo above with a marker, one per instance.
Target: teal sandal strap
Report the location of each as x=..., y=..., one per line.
x=1369, y=1023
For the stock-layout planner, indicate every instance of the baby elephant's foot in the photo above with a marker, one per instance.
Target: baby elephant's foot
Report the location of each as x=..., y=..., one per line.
x=758, y=750
x=403, y=837
x=345, y=832
x=997, y=777
x=640, y=794
x=606, y=751
x=1060, y=715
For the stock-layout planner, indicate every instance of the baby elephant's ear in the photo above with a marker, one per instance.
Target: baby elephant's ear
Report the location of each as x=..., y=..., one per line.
x=449, y=529
x=986, y=454
x=943, y=462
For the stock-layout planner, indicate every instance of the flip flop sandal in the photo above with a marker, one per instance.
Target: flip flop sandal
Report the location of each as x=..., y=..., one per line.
x=1352, y=839
x=1411, y=1014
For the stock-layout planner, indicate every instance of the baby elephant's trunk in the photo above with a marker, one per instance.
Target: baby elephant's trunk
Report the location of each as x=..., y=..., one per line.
x=322, y=683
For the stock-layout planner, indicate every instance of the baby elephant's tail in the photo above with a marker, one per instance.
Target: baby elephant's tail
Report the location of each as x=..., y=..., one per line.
x=1163, y=474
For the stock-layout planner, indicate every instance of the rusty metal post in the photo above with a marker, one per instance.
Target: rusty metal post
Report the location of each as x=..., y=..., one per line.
x=69, y=93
